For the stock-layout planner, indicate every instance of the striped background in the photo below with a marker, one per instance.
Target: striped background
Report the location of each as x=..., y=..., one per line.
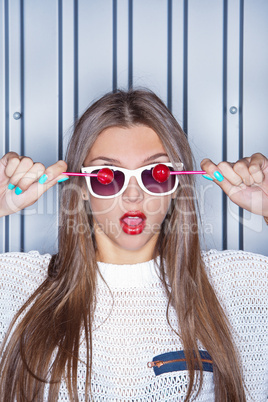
x=200, y=56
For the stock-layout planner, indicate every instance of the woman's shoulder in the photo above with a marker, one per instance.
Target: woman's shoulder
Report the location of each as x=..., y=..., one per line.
x=219, y=261
x=235, y=264
x=230, y=256
x=23, y=271
x=31, y=259
x=237, y=274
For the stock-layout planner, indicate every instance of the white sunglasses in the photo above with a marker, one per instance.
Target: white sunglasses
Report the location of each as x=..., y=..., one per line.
x=121, y=179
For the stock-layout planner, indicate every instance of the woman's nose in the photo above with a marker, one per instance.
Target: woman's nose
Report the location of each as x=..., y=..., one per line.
x=133, y=192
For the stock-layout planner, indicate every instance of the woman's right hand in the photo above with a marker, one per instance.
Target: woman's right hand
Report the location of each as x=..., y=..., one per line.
x=19, y=181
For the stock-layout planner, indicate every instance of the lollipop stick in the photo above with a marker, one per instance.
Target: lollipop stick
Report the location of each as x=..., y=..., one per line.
x=190, y=172
x=80, y=174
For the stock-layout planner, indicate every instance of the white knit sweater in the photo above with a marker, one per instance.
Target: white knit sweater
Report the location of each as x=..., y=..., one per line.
x=130, y=326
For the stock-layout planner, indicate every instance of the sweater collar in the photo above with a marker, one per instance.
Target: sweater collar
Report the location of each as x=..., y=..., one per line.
x=130, y=275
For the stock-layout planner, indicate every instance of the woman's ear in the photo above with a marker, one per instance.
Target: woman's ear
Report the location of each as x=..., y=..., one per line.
x=85, y=195
x=174, y=195
x=179, y=167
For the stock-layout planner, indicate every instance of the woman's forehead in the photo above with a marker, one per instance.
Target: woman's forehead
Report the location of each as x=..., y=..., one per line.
x=125, y=144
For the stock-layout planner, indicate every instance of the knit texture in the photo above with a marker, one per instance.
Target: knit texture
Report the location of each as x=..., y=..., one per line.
x=130, y=325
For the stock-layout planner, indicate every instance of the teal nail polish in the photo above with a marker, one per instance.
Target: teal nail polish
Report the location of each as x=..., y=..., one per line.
x=42, y=179
x=207, y=177
x=218, y=176
x=64, y=179
x=11, y=186
x=18, y=190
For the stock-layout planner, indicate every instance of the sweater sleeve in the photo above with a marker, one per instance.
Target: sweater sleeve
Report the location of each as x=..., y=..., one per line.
x=240, y=280
x=20, y=276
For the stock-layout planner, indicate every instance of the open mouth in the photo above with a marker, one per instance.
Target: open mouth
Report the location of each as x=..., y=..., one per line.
x=133, y=222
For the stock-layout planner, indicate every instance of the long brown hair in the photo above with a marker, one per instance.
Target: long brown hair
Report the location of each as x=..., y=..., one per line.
x=44, y=345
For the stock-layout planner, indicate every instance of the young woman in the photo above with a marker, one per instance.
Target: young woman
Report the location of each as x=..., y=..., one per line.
x=130, y=309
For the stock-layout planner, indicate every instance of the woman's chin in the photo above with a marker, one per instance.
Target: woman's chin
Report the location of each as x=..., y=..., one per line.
x=135, y=242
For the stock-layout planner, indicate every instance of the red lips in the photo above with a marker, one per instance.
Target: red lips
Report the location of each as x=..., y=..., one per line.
x=133, y=222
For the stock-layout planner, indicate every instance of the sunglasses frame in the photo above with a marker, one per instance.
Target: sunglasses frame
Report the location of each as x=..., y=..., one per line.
x=128, y=174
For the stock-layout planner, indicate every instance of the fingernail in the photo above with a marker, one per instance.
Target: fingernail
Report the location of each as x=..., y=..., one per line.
x=63, y=179
x=18, y=190
x=207, y=177
x=42, y=179
x=218, y=176
x=11, y=186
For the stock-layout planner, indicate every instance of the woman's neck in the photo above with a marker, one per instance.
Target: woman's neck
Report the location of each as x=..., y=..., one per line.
x=113, y=254
x=122, y=258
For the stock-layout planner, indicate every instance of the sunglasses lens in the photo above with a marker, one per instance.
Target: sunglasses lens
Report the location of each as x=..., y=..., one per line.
x=152, y=185
x=107, y=189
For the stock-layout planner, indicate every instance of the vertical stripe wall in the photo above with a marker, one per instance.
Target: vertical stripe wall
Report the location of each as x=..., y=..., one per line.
x=206, y=59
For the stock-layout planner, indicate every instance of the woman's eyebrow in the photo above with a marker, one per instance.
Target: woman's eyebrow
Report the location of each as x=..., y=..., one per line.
x=155, y=156
x=112, y=160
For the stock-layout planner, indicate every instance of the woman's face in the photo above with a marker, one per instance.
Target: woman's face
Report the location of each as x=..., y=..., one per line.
x=128, y=148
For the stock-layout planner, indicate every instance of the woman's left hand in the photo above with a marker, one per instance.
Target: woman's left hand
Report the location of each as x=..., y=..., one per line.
x=245, y=182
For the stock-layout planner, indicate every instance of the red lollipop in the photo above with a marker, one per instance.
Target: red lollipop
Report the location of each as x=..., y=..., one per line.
x=105, y=176
x=161, y=173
